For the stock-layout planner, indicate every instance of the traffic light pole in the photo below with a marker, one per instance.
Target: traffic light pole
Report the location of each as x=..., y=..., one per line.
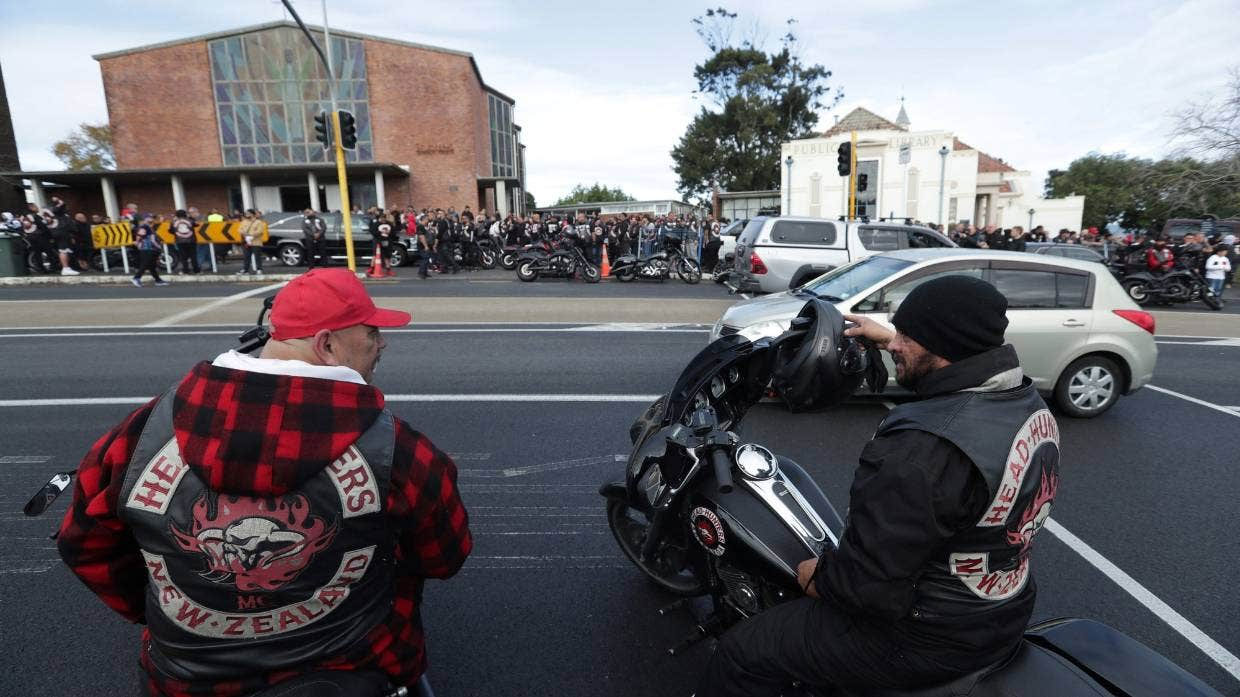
x=341, y=174
x=852, y=178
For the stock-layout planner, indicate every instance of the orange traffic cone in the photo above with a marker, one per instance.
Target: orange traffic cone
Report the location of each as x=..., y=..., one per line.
x=606, y=270
x=376, y=266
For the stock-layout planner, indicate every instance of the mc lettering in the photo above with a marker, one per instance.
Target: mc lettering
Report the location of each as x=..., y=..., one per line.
x=250, y=602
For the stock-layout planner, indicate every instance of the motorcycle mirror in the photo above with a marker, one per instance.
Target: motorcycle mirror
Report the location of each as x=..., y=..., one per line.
x=54, y=488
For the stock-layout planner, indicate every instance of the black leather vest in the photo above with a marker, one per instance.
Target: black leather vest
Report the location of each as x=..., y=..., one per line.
x=241, y=585
x=1013, y=441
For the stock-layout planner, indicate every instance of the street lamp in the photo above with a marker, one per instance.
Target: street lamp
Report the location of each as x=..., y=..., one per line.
x=1031, y=212
x=788, y=197
x=942, y=176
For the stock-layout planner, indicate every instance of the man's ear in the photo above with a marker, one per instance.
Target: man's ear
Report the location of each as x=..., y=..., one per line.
x=322, y=343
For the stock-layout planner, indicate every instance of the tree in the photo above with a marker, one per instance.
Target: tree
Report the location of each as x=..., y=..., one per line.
x=529, y=201
x=87, y=148
x=594, y=194
x=758, y=100
x=1111, y=185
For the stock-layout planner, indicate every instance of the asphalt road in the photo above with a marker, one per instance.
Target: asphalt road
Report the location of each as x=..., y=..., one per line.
x=547, y=604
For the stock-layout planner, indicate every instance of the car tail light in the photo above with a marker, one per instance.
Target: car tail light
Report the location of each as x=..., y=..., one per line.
x=1138, y=317
x=755, y=264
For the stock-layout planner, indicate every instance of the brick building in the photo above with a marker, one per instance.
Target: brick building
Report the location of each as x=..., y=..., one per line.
x=226, y=121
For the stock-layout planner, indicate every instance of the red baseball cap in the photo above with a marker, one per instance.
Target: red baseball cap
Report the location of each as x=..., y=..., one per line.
x=327, y=299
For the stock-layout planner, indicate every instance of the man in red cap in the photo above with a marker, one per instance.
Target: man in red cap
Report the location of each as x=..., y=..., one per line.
x=267, y=517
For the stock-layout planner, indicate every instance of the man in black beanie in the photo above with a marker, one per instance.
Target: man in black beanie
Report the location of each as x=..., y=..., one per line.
x=931, y=579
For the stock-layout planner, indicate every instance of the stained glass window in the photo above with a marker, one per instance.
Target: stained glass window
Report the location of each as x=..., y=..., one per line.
x=502, y=141
x=270, y=84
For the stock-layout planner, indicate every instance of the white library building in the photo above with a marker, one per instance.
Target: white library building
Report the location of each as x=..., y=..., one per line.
x=931, y=176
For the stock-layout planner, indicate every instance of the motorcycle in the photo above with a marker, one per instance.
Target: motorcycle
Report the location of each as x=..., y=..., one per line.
x=1179, y=285
x=658, y=266
x=326, y=683
x=702, y=513
x=564, y=259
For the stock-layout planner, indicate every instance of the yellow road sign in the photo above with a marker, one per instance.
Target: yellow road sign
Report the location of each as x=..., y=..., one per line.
x=113, y=235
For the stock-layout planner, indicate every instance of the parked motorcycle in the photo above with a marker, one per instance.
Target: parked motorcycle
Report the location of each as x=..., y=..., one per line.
x=1179, y=285
x=658, y=266
x=564, y=260
x=328, y=683
x=702, y=513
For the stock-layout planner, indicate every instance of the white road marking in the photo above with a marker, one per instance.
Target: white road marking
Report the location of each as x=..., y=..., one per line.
x=219, y=302
x=26, y=570
x=1163, y=611
x=472, y=457
x=24, y=459
x=1209, y=405
x=1209, y=342
x=555, y=398
x=46, y=335
x=542, y=467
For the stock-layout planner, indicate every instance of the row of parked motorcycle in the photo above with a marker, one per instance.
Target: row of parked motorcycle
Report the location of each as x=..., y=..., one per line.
x=564, y=255
x=1182, y=283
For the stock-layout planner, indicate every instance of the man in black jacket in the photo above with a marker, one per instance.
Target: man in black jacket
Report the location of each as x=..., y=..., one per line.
x=931, y=579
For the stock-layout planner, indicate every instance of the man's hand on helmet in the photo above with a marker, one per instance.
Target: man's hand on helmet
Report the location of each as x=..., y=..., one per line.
x=869, y=329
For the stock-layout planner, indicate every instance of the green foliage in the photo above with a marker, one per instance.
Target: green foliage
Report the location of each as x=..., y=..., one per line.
x=529, y=201
x=87, y=148
x=594, y=194
x=1140, y=194
x=759, y=100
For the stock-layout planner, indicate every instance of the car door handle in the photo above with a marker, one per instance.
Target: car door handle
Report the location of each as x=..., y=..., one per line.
x=1073, y=323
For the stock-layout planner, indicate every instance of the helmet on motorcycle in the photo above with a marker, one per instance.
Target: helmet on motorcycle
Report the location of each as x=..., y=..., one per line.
x=824, y=367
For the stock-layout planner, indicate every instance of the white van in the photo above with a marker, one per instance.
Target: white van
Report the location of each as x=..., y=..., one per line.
x=774, y=254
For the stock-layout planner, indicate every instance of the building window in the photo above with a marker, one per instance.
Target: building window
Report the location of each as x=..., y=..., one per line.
x=503, y=142
x=815, y=195
x=914, y=187
x=269, y=85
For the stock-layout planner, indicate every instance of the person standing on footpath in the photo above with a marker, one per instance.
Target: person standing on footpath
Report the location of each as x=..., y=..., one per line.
x=314, y=233
x=251, y=233
x=1217, y=268
x=186, y=242
x=148, y=244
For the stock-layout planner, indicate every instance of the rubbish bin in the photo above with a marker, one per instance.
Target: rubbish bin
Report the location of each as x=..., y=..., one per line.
x=12, y=255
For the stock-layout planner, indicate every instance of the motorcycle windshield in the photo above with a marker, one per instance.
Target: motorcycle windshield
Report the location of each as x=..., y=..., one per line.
x=730, y=375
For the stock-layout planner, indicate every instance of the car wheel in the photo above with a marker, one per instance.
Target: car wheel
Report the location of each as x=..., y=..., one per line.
x=1088, y=387
x=398, y=256
x=291, y=255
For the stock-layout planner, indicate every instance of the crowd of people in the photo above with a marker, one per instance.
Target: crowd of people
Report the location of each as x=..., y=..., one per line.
x=437, y=230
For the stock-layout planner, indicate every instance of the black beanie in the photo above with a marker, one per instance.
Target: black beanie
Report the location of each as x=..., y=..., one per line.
x=953, y=316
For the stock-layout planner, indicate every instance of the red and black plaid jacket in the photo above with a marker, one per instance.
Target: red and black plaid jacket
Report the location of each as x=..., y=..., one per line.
x=263, y=435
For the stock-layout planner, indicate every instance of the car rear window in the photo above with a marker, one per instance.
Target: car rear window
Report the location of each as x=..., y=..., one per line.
x=1028, y=289
x=803, y=232
x=750, y=233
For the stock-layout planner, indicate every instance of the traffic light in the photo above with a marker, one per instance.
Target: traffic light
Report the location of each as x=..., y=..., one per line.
x=348, y=130
x=844, y=160
x=323, y=129
x=863, y=180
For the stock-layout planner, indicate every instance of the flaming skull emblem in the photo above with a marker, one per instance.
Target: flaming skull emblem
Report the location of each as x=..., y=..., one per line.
x=1036, y=514
x=256, y=544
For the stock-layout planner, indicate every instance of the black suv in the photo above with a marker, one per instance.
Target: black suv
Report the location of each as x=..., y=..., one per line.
x=286, y=243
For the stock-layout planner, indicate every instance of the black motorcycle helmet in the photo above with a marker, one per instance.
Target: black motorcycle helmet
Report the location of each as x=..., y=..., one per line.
x=824, y=367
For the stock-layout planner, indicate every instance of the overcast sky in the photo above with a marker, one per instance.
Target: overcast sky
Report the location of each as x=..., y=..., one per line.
x=603, y=90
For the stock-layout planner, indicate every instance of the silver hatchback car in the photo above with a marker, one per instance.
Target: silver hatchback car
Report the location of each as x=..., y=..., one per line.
x=1080, y=338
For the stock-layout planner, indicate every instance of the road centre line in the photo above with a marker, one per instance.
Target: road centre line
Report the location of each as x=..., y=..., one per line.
x=1209, y=405
x=203, y=309
x=617, y=398
x=1227, y=660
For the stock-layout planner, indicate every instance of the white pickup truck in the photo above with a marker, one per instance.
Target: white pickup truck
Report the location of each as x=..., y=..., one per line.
x=777, y=253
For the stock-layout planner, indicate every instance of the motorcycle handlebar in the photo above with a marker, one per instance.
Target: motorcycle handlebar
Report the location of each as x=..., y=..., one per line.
x=723, y=469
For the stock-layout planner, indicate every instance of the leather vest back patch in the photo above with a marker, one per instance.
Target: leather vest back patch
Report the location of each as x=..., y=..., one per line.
x=243, y=584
